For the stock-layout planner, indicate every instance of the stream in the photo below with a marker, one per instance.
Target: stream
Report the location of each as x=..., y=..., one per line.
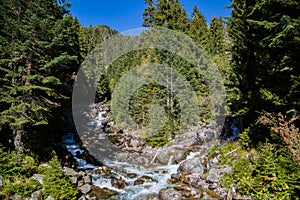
x=154, y=178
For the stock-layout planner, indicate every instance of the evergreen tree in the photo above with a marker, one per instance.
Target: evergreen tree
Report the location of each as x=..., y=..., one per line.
x=216, y=40
x=39, y=51
x=265, y=52
x=165, y=13
x=199, y=29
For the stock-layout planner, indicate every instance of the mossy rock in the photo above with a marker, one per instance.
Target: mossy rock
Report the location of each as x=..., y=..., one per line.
x=143, y=179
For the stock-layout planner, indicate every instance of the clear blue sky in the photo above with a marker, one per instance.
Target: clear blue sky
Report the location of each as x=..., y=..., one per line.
x=123, y=15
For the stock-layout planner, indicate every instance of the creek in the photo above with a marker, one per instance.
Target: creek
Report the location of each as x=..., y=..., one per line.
x=128, y=180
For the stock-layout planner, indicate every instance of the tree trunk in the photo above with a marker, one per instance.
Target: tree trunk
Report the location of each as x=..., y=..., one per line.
x=19, y=146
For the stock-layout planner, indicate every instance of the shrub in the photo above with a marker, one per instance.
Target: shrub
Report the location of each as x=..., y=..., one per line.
x=57, y=184
x=272, y=175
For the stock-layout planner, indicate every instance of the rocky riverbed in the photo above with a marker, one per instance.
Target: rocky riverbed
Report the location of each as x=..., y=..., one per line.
x=138, y=171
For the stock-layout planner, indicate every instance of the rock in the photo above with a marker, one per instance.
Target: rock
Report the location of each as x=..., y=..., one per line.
x=143, y=179
x=190, y=193
x=118, y=183
x=192, y=166
x=74, y=180
x=39, y=178
x=37, y=195
x=213, y=161
x=15, y=197
x=50, y=198
x=170, y=155
x=134, y=142
x=71, y=172
x=86, y=188
x=131, y=175
x=80, y=183
x=1, y=181
x=221, y=192
x=89, y=197
x=169, y=194
x=82, y=198
x=102, y=193
x=87, y=179
x=242, y=198
x=216, y=173
x=206, y=135
x=213, y=186
x=191, y=178
x=148, y=197
x=229, y=195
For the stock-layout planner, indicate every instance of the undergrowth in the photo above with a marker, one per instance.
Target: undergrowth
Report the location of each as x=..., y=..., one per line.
x=17, y=173
x=266, y=170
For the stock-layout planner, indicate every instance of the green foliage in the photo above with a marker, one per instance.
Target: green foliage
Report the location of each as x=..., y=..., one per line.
x=22, y=187
x=91, y=37
x=165, y=13
x=13, y=165
x=56, y=183
x=265, y=36
x=39, y=52
x=272, y=174
x=16, y=171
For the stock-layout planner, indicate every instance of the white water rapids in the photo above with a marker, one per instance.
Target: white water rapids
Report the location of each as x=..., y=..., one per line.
x=121, y=170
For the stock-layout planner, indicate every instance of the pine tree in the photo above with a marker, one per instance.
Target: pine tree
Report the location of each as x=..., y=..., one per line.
x=216, y=41
x=165, y=13
x=199, y=29
x=266, y=49
x=39, y=52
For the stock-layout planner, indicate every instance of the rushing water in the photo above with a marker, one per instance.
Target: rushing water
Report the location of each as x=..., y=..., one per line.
x=122, y=170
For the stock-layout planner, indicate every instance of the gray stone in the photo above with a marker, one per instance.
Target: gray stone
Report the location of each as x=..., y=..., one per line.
x=50, y=198
x=169, y=194
x=147, y=197
x=15, y=197
x=74, y=180
x=37, y=195
x=216, y=173
x=212, y=186
x=1, y=181
x=82, y=198
x=91, y=198
x=39, y=178
x=229, y=195
x=85, y=189
x=87, y=179
x=71, y=172
x=213, y=161
x=192, y=166
x=80, y=183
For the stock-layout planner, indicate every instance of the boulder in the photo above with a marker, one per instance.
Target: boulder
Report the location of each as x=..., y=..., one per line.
x=143, y=179
x=86, y=188
x=39, y=178
x=118, y=183
x=103, y=193
x=15, y=197
x=71, y=172
x=147, y=197
x=37, y=195
x=170, y=155
x=192, y=166
x=82, y=198
x=169, y=194
x=216, y=173
x=87, y=179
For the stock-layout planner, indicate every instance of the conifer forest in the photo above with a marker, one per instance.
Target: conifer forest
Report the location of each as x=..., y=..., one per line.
x=158, y=151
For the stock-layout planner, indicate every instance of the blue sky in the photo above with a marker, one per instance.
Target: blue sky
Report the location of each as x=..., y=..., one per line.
x=123, y=15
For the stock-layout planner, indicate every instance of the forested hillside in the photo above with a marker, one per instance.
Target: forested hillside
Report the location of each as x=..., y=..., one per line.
x=256, y=50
